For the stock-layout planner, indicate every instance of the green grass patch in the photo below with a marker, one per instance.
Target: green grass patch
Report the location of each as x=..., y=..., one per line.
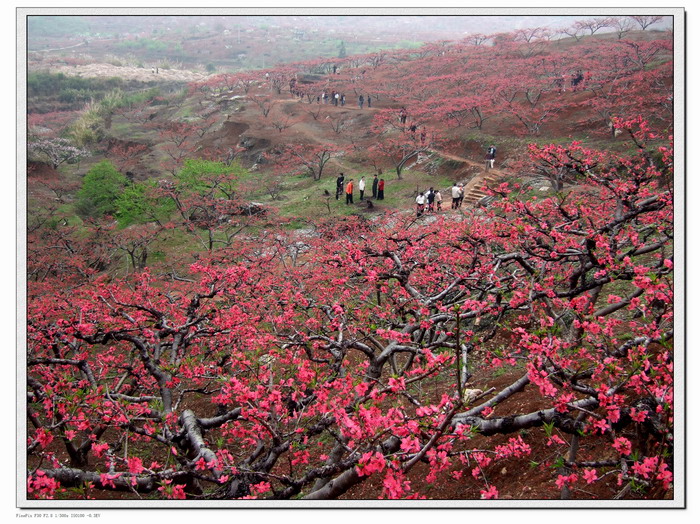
x=303, y=198
x=124, y=130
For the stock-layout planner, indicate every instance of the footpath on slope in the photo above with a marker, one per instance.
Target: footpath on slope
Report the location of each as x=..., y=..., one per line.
x=473, y=191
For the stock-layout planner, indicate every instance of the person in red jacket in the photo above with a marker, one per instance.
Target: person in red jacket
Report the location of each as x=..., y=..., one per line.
x=348, y=192
x=380, y=192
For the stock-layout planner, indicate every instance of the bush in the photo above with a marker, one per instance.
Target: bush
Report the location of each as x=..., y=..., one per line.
x=43, y=83
x=137, y=204
x=101, y=188
x=207, y=177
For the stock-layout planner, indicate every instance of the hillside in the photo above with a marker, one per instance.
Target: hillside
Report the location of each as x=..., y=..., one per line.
x=209, y=319
x=516, y=115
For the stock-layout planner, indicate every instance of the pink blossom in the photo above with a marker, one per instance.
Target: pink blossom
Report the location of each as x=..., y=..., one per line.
x=623, y=446
x=44, y=437
x=555, y=439
x=107, y=480
x=491, y=493
x=665, y=476
x=99, y=449
x=590, y=475
x=395, y=485
x=135, y=465
x=201, y=464
x=600, y=425
x=361, y=388
x=42, y=486
x=566, y=480
x=178, y=492
x=370, y=463
x=638, y=416
x=645, y=468
x=260, y=488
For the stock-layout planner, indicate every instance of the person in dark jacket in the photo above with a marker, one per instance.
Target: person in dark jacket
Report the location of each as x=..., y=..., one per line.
x=491, y=155
x=430, y=200
x=375, y=183
x=339, y=185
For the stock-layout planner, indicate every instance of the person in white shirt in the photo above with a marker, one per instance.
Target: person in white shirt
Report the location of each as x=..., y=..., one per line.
x=456, y=194
x=361, y=185
x=420, y=204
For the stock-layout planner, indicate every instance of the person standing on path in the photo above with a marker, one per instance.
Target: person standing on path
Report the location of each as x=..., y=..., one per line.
x=461, y=194
x=339, y=185
x=348, y=193
x=420, y=204
x=455, y=195
x=491, y=155
x=430, y=200
x=438, y=200
x=361, y=101
x=361, y=187
x=402, y=115
x=380, y=193
x=369, y=101
x=375, y=183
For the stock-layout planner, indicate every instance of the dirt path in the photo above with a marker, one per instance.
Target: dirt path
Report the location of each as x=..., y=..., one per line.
x=142, y=74
x=308, y=130
x=472, y=190
x=57, y=49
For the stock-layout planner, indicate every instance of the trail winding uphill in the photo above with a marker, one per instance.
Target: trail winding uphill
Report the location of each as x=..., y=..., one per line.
x=473, y=191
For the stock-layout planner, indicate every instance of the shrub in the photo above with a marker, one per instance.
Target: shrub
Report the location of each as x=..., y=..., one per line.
x=101, y=188
x=137, y=204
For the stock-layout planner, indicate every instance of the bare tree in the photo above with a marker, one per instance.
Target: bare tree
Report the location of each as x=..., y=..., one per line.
x=282, y=123
x=575, y=32
x=337, y=124
x=621, y=25
x=315, y=113
x=646, y=21
x=594, y=25
x=265, y=104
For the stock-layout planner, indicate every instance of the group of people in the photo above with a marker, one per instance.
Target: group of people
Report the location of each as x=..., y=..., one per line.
x=412, y=126
x=349, y=188
x=428, y=202
x=334, y=97
x=578, y=80
x=403, y=114
x=457, y=192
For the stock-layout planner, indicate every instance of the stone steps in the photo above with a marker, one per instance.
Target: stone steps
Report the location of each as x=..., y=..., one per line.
x=476, y=194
